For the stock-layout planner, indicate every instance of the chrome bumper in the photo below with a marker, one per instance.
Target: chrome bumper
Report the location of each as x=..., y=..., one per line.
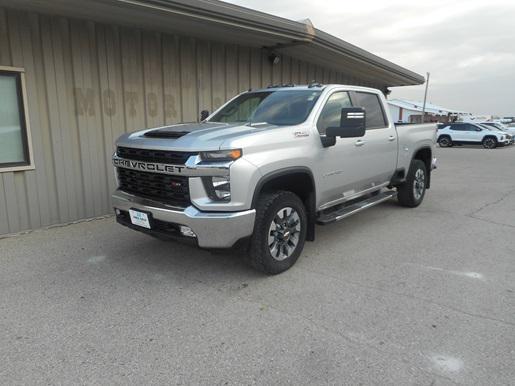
x=212, y=229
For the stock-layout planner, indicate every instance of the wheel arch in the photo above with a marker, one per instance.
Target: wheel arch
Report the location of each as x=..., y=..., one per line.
x=425, y=154
x=298, y=180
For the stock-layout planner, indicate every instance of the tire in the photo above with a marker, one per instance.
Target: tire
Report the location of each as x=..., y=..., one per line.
x=490, y=142
x=412, y=191
x=445, y=141
x=274, y=248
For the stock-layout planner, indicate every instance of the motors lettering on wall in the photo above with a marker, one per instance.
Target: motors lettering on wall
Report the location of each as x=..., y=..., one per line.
x=87, y=103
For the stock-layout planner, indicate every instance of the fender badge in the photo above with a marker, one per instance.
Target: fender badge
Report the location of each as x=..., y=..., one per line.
x=299, y=134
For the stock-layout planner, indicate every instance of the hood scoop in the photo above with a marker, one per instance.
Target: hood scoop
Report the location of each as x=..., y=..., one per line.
x=163, y=133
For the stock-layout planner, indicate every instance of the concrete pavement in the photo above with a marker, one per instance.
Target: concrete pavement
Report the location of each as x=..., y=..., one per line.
x=397, y=296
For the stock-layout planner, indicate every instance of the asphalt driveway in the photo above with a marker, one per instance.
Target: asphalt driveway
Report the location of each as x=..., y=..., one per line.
x=397, y=296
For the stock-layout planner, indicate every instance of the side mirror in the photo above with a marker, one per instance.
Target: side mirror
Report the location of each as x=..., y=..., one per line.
x=352, y=124
x=478, y=129
x=203, y=115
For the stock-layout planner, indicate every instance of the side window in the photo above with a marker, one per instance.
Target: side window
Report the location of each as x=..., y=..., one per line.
x=372, y=105
x=332, y=112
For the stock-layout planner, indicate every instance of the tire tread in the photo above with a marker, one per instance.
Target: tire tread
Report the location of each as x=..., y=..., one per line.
x=257, y=252
x=405, y=194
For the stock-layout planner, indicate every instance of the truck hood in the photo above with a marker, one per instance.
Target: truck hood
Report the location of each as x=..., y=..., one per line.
x=190, y=136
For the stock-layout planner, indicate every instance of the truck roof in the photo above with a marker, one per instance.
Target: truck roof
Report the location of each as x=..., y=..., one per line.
x=311, y=86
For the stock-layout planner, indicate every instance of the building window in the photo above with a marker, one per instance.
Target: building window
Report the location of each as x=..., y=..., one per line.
x=15, y=145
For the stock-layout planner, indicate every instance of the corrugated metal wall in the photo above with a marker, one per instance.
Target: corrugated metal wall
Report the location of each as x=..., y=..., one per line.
x=87, y=83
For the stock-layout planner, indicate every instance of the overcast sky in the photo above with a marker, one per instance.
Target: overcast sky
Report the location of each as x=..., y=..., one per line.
x=468, y=46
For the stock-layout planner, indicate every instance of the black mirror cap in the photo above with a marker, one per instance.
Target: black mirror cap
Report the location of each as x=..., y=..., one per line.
x=203, y=115
x=345, y=132
x=352, y=124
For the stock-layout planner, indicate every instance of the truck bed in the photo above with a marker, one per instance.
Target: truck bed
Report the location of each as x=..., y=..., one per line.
x=411, y=137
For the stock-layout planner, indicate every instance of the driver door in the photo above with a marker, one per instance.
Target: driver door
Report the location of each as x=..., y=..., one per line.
x=339, y=165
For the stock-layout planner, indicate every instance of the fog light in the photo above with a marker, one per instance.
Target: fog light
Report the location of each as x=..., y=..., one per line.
x=218, y=188
x=117, y=211
x=186, y=231
x=222, y=188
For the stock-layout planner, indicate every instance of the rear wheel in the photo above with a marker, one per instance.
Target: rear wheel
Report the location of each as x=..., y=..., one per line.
x=445, y=141
x=412, y=191
x=279, y=232
x=489, y=143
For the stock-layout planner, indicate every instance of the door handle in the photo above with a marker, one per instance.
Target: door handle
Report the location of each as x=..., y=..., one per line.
x=391, y=138
x=359, y=142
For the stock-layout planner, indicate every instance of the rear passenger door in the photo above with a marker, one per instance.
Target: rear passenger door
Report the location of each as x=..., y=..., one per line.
x=379, y=144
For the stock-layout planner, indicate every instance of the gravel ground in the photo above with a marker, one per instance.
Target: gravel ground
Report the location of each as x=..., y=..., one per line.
x=397, y=296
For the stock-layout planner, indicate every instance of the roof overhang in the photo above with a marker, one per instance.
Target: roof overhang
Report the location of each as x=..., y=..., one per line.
x=218, y=21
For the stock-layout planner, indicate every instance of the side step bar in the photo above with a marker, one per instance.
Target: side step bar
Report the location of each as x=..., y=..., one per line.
x=346, y=211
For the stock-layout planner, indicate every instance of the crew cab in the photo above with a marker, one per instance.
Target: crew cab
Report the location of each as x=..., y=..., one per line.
x=265, y=168
x=460, y=133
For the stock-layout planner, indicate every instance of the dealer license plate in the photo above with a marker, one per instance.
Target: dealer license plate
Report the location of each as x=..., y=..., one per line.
x=139, y=218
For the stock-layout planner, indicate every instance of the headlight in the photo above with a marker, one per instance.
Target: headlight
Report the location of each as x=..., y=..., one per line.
x=218, y=188
x=502, y=137
x=221, y=155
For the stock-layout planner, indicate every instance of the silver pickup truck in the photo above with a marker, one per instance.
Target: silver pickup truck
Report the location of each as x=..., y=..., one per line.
x=266, y=167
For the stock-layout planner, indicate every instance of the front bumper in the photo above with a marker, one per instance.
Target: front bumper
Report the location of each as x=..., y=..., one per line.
x=212, y=229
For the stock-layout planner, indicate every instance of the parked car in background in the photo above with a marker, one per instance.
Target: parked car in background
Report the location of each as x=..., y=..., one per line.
x=502, y=127
x=472, y=133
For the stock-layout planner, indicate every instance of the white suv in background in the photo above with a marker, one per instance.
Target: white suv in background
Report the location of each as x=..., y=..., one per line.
x=471, y=133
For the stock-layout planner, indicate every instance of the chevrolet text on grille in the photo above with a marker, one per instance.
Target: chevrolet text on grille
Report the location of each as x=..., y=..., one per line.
x=192, y=168
x=147, y=166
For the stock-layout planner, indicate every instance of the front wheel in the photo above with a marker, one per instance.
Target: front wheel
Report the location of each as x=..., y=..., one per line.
x=412, y=191
x=445, y=141
x=279, y=232
x=489, y=143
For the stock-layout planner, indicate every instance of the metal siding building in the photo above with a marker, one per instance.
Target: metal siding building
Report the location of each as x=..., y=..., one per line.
x=95, y=69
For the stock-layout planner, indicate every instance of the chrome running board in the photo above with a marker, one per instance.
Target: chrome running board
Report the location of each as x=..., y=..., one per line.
x=349, y=210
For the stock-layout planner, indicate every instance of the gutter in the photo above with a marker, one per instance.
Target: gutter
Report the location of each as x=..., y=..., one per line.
x=228, y=14
x=218, y=12
x=328, y=41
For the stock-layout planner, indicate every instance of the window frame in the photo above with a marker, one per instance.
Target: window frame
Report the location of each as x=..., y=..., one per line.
x=454, y=127
x=28, y=163
x=319, y=114
x=354, y=99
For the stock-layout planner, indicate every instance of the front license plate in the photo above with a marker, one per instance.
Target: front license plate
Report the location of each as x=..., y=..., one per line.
x=139, y=218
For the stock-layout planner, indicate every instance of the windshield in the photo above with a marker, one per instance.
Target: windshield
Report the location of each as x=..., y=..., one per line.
x=492, y=127
x=495, y=125
x=274, y=107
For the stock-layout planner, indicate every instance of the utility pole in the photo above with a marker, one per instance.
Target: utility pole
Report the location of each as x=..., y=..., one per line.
x=425, y=98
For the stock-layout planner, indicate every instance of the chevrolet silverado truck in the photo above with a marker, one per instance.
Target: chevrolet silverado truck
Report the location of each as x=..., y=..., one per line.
x=262, y=170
